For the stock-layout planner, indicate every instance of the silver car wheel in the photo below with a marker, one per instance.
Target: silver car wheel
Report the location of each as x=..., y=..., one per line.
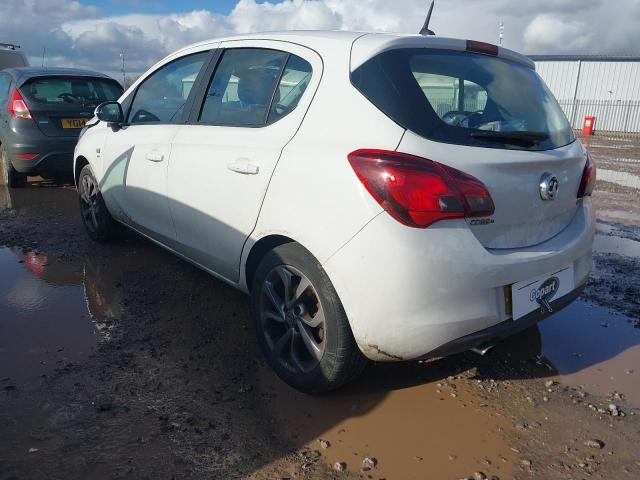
x=292, y=319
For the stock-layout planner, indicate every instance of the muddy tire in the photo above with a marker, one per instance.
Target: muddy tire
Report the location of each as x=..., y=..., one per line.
x=301, y=325
x=97, y=220
x=10, y=176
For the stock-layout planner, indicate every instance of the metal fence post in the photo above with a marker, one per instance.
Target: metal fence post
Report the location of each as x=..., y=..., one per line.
x=575, y=94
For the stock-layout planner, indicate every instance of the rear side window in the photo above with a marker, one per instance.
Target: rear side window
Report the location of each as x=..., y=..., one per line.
x=465, y=98
x=161, y=98
x=294, y=82
x=86, y=92
x=243, y=86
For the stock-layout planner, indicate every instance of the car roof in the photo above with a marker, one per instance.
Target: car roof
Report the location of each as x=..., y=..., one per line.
x=22, y=75
x=305, y=37
x=366, y=44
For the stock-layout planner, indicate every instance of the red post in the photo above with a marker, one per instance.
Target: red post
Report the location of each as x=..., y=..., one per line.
x=588, y=126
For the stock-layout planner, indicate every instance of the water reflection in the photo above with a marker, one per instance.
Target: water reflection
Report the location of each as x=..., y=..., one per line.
x=41, y=198
x=51, y=312
x=608, y=240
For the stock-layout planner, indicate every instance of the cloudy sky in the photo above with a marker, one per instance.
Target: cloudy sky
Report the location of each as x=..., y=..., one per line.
x=91, y=33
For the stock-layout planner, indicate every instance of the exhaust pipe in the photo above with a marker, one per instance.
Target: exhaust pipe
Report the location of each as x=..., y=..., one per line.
x=483, y=348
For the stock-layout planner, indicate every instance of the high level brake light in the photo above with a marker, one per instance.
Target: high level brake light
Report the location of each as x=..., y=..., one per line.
x=17, y=107
x=482, y=47
x=419, y=192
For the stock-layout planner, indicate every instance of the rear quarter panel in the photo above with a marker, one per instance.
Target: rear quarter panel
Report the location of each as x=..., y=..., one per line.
x=314, y=196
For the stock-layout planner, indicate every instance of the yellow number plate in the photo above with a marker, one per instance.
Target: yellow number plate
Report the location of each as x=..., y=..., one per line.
x=73, y=122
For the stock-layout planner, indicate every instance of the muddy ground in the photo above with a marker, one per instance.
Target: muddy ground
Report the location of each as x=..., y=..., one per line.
x=124, y=362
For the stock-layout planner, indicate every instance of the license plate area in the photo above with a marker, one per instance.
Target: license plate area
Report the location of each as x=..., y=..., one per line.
x=538, y=293
x=73, y=122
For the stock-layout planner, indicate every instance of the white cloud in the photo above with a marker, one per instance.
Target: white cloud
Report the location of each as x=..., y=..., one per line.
x=548, y=32
x=250, y=16
x=76, y=34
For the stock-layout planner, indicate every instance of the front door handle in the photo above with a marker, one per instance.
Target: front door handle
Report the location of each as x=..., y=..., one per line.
x=244, y=167
x=154, y=156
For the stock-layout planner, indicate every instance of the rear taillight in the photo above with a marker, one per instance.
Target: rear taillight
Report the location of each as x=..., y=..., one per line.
x=588, y=181
x=16, y=106
x=419, y=192
x=26, y=156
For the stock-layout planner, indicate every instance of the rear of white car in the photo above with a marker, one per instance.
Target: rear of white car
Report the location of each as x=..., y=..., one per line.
x=486, y=225
x=394, y=197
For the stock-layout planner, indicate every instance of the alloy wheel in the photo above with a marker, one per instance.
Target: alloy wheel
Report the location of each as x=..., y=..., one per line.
x=89, y=202
x=292, y=319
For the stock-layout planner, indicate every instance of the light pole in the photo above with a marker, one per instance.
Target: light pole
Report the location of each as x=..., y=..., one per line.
x=124, y=72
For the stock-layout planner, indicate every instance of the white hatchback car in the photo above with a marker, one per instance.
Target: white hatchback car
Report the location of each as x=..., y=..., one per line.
x=383, y=197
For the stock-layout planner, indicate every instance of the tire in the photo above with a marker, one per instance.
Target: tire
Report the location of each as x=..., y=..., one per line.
x=313, y=312
x=10, y=176
x=97, y=220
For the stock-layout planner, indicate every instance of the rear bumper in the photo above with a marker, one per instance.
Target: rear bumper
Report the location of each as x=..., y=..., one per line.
x=504, y=329
x=55, y=154
x=408, y=293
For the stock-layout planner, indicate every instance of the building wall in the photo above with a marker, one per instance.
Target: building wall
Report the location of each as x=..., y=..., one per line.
x=597, y=79
x=560, y=77
x=606, y=89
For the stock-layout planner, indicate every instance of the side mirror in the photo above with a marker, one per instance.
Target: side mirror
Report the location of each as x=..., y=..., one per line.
x=110, y=112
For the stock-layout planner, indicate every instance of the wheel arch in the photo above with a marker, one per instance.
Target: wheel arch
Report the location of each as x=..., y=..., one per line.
x=78, y=165
x=257, y=253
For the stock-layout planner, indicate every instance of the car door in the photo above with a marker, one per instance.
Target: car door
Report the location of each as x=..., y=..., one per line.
x=223, y=159
x=137, y=153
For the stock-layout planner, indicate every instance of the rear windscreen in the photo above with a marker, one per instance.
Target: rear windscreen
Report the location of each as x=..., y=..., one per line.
x=11, y=58
x=85, y=92
x=464, y=98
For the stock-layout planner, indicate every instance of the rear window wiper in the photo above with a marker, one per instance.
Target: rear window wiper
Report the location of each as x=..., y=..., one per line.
x=513, y=138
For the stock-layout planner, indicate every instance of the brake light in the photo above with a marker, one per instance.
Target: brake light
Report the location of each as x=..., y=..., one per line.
x=17, y=107
x=482, y=47
x=419, y=192
x=26, y=156
x=588, y=181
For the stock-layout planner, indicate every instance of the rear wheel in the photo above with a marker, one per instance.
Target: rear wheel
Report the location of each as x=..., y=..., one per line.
x=301, y=325
x=97, y=220
x=10, y=176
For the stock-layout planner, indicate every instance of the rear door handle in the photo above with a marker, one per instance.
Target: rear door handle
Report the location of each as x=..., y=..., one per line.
x=244, y=167
x=154, y=156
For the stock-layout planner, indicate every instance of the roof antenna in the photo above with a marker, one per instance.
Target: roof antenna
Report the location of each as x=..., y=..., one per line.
x=425, y=29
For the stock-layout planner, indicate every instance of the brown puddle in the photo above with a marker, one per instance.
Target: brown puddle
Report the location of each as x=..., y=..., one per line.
x=417, y=432
x=591, y=346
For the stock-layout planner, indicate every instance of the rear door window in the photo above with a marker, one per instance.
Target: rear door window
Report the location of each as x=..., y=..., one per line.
x=243, y=87
x=85, y=92
x=465, y=98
